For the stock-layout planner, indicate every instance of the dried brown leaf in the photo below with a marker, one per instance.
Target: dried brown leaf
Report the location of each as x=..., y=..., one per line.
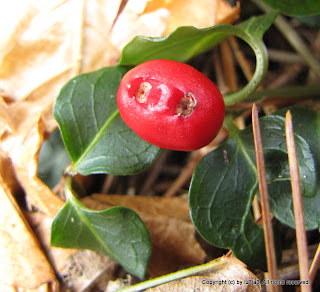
x=23, y=264
x=172, y=234
x=87, y=270
x=197, y=13
x=22, y=149
x=41, y=226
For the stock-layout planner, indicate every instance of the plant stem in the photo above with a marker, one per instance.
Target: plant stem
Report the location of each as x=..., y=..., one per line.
x=68, y=187
x=229, y=124
x=261, y=69
x=173, y=276
x=285, y=57
x=297, y=205
x=293, y=38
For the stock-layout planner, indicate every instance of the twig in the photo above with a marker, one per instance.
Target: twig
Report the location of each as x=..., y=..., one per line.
x=297, y=204
x=185, y=175
x=194, y=158
x=266, y=214
x=154, y=172
x=289, y=74
x=229, y=67
x=315, y=264
x=107, y=184
x=293, y=38
x=285, y=57
x=218, y=71
x=120, y=10
x=256, y=208
x=243, y=62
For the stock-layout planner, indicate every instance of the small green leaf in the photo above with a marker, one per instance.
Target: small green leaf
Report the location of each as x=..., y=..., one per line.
x=187, y=42
x=295, y=7
x=97, y=139
x=225, y=181
x=53, y=159
x=117, y=232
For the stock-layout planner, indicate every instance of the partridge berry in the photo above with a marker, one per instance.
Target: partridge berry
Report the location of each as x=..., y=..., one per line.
x=171, y=105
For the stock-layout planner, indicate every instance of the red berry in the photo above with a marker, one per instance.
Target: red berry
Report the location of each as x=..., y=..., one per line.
x=171, y=105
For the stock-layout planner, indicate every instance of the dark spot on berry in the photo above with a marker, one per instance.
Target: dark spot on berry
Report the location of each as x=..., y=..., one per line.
x=186, y=105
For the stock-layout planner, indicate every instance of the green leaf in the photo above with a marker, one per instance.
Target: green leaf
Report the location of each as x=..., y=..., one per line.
x=225, y=181
x=295, y=7
x=97, y=139
x=117, y=232
x=187, y=42
x=307, y=125
x=53, y=159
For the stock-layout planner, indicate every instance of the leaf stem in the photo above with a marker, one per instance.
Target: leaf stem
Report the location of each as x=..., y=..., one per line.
x=260, y=52
x=229, y=124
x=173, y=276
x=68, y=187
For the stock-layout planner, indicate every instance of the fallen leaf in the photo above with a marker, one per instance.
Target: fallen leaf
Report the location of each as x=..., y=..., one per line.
x=23, y=264
x=88, y=271
x=22, y=150
x=168, y=221
x=200, y=14
x=21, y=161
x=41, y=226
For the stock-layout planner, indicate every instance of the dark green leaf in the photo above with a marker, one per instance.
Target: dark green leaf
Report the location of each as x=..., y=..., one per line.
x=187, y=41
x=97, y=139
x=222, y=188
x=225, y=181
x=53, y=159
x=117, y=232
x=181, y=45
x=295, y=7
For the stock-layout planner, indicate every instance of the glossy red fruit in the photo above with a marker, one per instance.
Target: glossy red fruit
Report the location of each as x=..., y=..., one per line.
x=171, y=105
